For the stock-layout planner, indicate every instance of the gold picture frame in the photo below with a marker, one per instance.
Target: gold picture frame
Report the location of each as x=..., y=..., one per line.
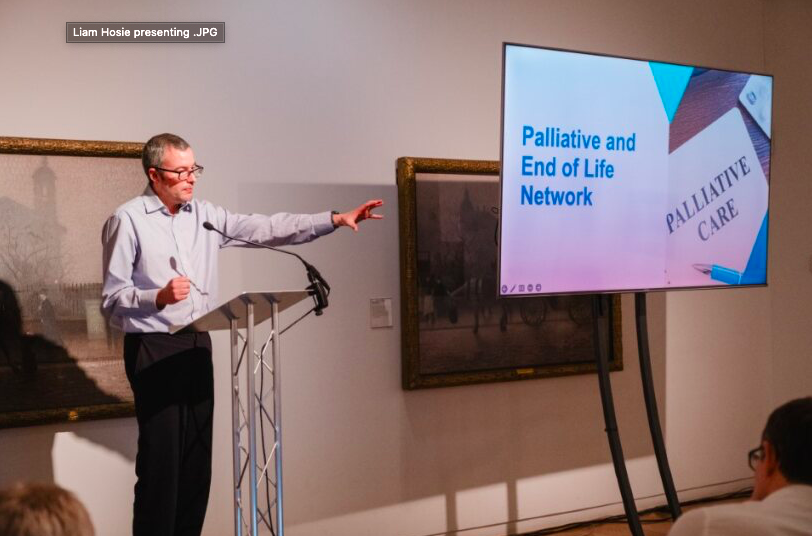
x=59, y=361
x=450, y=333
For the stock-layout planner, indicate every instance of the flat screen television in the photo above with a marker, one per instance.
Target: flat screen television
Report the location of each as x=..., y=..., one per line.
x=622, y=175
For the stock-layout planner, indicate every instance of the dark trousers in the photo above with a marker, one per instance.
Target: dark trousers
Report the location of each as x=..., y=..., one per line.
x=172, y=380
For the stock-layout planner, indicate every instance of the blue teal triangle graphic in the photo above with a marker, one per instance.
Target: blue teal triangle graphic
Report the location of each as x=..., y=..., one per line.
x=671, y=82
x=756, y=271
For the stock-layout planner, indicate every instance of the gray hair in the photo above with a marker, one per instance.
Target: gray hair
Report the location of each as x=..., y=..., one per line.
x=153, y=153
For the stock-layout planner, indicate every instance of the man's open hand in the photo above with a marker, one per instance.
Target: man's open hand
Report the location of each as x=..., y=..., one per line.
x=353, y=217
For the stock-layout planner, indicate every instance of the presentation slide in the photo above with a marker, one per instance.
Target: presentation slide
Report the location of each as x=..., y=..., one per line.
x=623, y=175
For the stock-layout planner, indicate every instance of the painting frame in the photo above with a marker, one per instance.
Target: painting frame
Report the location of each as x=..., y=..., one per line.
x=73, y=148
x=412, y=376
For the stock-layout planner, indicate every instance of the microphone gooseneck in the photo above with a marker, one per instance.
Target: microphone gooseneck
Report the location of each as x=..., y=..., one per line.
x=319, y=289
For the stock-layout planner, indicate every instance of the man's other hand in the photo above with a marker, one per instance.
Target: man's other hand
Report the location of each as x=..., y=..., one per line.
x=175, y=291
x=353, y=217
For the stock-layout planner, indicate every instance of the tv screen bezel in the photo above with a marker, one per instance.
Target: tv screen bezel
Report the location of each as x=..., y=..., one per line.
x=505, y=45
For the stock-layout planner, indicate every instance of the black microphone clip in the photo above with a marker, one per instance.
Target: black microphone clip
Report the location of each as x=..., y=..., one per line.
x=319, y=289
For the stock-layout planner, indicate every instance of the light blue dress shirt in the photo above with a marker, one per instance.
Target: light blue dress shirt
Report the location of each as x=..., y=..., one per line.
x=145, y=246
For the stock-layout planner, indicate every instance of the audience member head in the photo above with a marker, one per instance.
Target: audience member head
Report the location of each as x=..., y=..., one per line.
x=785, y=454
x=42, y=510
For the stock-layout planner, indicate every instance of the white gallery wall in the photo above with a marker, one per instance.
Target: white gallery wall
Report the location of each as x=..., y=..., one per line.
x=306, y=107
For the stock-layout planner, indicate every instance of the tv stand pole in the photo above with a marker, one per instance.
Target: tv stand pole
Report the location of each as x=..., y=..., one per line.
x=651, y=405
x=600, y=328
x=599, y=310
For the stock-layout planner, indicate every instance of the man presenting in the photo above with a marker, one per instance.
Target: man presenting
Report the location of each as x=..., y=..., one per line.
x=160, y=269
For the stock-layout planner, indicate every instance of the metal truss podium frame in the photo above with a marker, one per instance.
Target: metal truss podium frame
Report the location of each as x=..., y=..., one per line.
x=254, y=405
x=260, y=406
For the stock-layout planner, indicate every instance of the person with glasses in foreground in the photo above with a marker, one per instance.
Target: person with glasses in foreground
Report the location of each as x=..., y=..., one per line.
x=782, y=493
x=160, y=270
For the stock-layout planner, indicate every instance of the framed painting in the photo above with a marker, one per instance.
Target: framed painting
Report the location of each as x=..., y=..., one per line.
x=59, y=360
x=455, y=331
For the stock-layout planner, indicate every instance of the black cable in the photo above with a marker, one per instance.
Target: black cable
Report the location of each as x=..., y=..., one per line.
x=319, y=289
x=621, y=518
x=298, y=320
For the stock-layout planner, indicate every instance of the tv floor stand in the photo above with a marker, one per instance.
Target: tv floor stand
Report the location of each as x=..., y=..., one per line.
x=600, y=313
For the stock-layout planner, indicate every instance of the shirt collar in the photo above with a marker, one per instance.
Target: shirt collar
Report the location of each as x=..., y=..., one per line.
x=804, y=490
x=153, y=203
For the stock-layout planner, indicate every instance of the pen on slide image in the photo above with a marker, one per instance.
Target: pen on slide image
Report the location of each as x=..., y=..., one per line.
x=720, y=273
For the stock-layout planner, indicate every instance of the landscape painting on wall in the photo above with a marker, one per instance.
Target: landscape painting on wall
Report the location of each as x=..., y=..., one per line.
x=455, y=329
x=59, y=361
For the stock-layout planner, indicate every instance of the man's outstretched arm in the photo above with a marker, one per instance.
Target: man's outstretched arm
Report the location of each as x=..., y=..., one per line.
x=284, y=229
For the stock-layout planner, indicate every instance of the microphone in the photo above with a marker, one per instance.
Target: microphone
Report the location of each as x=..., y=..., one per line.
x=318, y=288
